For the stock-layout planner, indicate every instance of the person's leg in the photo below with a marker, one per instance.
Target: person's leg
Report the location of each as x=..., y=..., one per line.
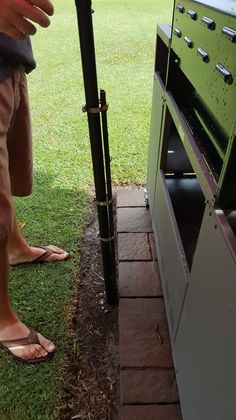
x=21, y=252
x=7, y=316
x=11, y=328
x=19, y=145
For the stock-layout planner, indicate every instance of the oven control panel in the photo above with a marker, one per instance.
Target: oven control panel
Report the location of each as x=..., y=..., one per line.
x=204, y=40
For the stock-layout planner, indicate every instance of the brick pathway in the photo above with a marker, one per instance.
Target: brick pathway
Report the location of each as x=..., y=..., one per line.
x=147, y=377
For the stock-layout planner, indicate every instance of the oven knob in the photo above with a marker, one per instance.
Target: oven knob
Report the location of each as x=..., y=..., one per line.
x=188, y=41
x=230, y=33
x=227, y=76
x=203, y=54
x=210, y=23
x=180, y=8
x=177, y=32
x=191, y=13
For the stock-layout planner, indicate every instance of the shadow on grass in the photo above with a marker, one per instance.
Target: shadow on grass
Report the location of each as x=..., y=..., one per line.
x=43, y=297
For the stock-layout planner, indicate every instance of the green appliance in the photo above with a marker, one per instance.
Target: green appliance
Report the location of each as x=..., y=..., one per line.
x=192, y=198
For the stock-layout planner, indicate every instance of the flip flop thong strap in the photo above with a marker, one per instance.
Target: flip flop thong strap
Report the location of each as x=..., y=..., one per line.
x=43, y=257
x=32, y=338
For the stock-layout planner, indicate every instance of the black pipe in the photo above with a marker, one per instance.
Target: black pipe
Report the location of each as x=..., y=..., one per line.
x=105, y=137
x=106, y=142
x=84, y=15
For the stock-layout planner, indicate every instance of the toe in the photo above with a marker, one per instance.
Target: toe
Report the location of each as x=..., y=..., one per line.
x=38, y=351
x=33, y=352
x=56, y=249
x=29, y=352
x=58, y=254
x=46, y=344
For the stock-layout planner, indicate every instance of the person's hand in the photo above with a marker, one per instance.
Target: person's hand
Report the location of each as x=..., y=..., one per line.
x=16, y=16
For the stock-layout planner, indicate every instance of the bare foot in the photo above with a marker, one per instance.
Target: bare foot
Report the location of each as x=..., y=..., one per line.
x=36, y=254
x=31, y=346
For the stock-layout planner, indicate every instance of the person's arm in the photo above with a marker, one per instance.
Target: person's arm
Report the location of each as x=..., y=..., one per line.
x=16, y=16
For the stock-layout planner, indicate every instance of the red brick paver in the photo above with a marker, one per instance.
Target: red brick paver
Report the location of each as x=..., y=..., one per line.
x=133, y=220
x=134, y=247
x=130, y=198
x=151, y=412
x=144, y=336
x=148, y=386
x=139, y=279
x=147, y=377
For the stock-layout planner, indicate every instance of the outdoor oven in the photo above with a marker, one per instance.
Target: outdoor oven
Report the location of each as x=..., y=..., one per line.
x=192, y=199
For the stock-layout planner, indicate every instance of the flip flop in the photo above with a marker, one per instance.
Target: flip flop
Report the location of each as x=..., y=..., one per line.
x=32, y=338
x=42, y=258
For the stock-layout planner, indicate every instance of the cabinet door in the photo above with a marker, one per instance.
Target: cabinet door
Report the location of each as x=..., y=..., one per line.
x=205, y=345
x=172, y=260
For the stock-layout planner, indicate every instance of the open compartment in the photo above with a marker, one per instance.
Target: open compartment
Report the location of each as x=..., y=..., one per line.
x=155, y=134
x=162, y=51
x=214, y=145
x=188, y=205
x=187, y=198
x=161, y=65
x=209, y=136
x=177, y=215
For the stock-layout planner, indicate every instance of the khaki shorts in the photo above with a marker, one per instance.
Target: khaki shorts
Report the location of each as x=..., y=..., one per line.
x=15, y=146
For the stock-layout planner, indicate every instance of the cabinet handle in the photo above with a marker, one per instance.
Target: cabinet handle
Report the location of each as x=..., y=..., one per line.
x=210, y=23
x=227, y=76
x=229, y=32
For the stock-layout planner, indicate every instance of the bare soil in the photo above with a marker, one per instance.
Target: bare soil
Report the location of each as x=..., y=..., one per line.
x=93, y=371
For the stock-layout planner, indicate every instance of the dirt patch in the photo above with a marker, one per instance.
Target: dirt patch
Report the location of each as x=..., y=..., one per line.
x=93, y=392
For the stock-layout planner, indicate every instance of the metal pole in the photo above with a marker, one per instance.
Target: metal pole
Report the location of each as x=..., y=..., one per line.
x=108, y=180
x=84, y=15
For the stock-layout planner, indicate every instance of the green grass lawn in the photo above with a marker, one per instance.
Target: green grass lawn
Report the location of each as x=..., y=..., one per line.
x=58, y=209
